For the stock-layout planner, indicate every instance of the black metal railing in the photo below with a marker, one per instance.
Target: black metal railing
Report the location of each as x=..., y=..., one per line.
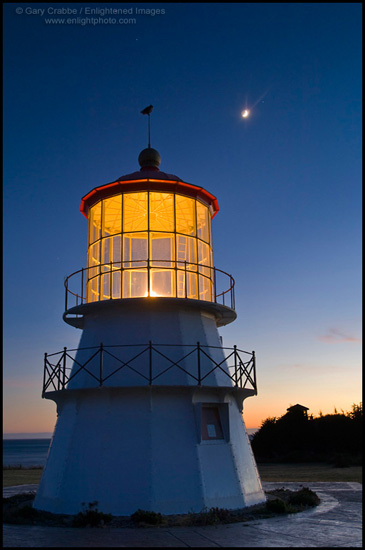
x=212, y=284
x=239, y=371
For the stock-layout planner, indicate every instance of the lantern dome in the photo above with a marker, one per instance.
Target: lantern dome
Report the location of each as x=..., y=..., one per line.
x=149, y=158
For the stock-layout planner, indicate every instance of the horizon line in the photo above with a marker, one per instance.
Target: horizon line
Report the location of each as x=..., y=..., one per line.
x=48, y=435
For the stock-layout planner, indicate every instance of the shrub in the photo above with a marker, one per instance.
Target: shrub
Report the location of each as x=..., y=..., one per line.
x=277, y=506
x=27, y=512
x=91, y=517
x=211, y=516
x=145, y=516
x=304, y=497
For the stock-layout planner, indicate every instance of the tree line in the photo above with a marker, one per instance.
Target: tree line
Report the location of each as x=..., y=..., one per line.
x=298, y=437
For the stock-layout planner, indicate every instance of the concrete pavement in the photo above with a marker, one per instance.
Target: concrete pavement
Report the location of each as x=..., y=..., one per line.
x=335, y=523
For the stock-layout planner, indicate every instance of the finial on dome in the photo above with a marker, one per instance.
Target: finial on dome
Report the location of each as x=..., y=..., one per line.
x=149, y=159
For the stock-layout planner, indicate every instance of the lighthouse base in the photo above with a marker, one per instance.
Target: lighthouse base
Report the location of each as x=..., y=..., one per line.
x=172, y=450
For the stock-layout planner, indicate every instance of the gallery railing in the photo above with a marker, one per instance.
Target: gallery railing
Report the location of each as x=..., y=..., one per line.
x=212, y=284
x=241, y=371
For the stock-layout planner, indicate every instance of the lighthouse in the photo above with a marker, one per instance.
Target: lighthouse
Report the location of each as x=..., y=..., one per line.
x=149, y=406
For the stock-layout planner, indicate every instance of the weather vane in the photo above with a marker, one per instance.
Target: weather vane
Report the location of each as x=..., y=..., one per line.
x=148, y=111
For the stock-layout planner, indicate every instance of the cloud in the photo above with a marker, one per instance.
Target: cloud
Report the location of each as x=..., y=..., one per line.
x=336, y=336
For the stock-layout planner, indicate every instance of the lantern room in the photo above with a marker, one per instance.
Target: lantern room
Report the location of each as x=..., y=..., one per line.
x=149, y=235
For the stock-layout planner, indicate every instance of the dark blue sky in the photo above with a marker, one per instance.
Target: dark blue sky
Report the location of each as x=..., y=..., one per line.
x=288, y=178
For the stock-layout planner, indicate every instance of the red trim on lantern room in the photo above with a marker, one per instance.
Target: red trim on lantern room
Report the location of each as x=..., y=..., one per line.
x=187, y=189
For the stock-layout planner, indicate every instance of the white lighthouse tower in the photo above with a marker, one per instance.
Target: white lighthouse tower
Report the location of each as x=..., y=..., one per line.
x=149, y=407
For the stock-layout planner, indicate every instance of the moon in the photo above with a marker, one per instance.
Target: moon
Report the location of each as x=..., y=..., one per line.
x=245, y=113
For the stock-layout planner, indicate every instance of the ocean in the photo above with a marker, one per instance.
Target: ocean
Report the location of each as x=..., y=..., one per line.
x=33, y=452
x=25, y=452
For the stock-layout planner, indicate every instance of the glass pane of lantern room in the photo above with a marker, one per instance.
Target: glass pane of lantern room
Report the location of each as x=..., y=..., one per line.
x=162, y=251
x=135, y=283
x=95, y=223
x=187, y=284
x=181, y=284
x=161, y=212
x=112, y=215
x=93, y=272
x=186, y=251
x=135, y=212
x=205, y=289
x=93, y=286
x=185, y=215
x=106, y=253
x=116, y=284
x=116, y=267
x=135, y=256
x=135, y=250
x=105, y=283
x=163, y=282
x=204, y=258
x=202, y=214
x=116, y=256
x=191, y=285
x=93, y=260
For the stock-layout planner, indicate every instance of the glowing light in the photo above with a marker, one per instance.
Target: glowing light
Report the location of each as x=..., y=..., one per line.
x=245, y=113
x=152, y=294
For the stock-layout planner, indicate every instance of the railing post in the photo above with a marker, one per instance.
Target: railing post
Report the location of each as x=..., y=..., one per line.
x=44, y=373
x=148, y=278
x=82, y=285
x=58, y=375
x=122, y=278
x=198, y=279
x=254, y=369
x=199, y=373
x=150, y=365
x=64, y=368
x=235, y=364
x=233, y=305
x=66, y=291
x=186, y=283
x=215, y=284
x=101, y=365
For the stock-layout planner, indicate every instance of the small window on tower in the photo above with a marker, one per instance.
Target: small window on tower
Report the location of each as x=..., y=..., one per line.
x=211, y=426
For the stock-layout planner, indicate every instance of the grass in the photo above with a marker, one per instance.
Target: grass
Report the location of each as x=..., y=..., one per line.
x=21, y=476
x=308, y=471
x=268, y=472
